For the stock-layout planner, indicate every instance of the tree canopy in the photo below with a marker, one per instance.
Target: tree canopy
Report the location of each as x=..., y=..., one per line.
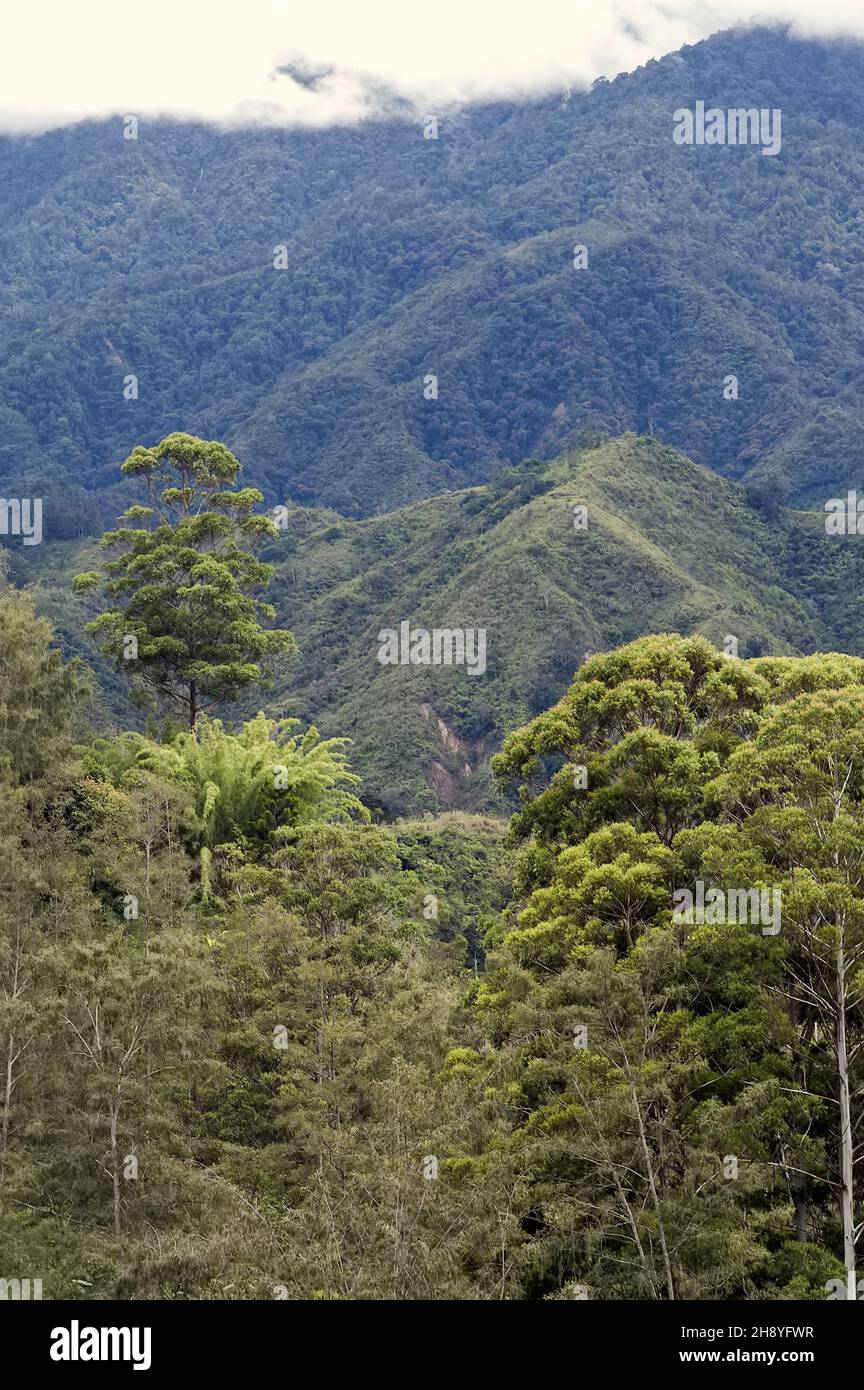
x=183, y=571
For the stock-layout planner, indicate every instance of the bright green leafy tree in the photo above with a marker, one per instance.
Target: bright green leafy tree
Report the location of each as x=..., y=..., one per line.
x=796, y=796
x=241, y=787
x=656, y=1094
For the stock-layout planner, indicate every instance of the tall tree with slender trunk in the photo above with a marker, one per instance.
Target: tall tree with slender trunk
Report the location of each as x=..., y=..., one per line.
x=182, y=571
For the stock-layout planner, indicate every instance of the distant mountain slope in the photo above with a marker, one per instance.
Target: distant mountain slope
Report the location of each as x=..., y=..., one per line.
x=453, y=257
x=669, y=546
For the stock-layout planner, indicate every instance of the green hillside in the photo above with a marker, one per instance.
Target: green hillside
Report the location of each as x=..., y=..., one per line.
x=407, y=257
x=669, y=546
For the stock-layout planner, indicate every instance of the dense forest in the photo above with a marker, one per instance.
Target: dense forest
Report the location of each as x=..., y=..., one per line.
x=703, y=555
x=256, y=1045
x=145, y=291
x=329, y=973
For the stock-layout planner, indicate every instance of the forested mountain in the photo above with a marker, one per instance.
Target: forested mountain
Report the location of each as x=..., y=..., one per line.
x=407, y=257
x=667, y=546
x=328, y=973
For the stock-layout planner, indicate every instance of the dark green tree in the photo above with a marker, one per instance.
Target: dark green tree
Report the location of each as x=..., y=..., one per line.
x=183, y=575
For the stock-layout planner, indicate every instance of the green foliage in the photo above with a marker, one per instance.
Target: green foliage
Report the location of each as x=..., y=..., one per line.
x=239, y=789
x=701, y=560
x=633, y=1059
x=404, y=252
x=649, y=723
x=37, y=691
x=464, y=867
x=546, y=594
x=131, y=1168
x=282, y=1073
x=186, y=621
x=248, y=786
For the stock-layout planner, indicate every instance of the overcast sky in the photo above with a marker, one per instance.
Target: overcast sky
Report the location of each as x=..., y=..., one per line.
x=217, y=60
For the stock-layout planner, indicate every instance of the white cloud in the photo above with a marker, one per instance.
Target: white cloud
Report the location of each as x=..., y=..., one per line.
x=217, y=60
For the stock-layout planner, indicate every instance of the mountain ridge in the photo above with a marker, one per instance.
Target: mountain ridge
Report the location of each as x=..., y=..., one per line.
x=453, y=258
x=506, y=557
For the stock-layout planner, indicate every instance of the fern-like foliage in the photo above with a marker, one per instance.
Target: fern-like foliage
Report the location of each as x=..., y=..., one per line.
x=244, y=786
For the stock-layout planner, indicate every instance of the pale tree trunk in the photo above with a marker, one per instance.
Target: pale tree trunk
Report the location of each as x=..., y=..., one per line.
x=11, y=1058
x=120, y=1074
x=846, y=1153
x=655, y=1199
x=115, y=1164
x=627, y=1206
x=12, y=994
x=797, y=1180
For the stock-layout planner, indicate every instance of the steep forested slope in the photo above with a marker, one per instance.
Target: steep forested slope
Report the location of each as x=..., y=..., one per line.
x=668, y=546
x=454, y=257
